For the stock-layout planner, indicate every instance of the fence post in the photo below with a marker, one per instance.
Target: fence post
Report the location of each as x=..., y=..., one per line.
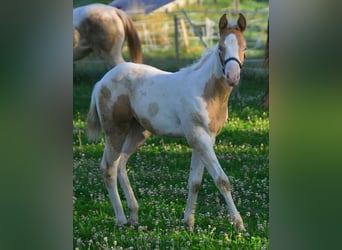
x=195, y=29
x=175, y=18
x=185, y=33
x=237, y=5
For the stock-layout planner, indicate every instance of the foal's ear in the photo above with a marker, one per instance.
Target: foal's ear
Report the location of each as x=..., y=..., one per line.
x=223, y=23
x=242, y=23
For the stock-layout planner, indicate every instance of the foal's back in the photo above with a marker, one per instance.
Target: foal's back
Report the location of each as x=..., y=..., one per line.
x=153, y=96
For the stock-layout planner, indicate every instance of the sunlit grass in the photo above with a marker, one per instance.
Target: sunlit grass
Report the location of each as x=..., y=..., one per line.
x=159, y=174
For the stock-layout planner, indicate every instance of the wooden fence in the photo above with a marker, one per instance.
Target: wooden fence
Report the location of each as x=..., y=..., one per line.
x=196, y=28
x=193, y=31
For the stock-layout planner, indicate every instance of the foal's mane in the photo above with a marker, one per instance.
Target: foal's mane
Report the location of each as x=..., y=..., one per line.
x=201, y=61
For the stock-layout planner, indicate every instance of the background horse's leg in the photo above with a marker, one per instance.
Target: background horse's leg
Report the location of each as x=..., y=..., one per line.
x=134, y=139
x=195, y=179
x=109, y=168
x=80, y=52
x=203, y=143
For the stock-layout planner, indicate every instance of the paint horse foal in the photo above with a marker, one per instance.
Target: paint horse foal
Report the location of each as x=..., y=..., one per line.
x=134, y=100
x=102, y=29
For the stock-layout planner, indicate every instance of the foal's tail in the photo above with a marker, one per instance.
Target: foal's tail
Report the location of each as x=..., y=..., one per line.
x=132, y=36
x=93, y=120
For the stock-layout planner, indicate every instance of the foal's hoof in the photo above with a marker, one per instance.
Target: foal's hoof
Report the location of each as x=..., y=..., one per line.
x=120, y=224
x=239, y=226
x=238, y=223
x=189, y=224
x=133, y=222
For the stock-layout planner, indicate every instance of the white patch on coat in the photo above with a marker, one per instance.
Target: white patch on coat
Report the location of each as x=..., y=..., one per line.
x=232, y=68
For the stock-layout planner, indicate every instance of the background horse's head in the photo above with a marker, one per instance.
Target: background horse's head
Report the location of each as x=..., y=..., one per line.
x=232, y=46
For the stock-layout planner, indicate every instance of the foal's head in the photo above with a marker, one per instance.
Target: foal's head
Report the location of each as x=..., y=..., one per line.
x=232, y=46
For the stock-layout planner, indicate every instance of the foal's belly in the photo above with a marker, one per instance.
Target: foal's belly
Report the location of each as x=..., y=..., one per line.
x=158, y=118
x=161, y=125
x=155, y=104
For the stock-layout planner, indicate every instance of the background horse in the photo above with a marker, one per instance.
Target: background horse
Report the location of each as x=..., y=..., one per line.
x=102, y=29
x=134, y=100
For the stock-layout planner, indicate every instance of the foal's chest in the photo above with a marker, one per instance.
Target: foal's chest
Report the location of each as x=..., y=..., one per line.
x=218, y=114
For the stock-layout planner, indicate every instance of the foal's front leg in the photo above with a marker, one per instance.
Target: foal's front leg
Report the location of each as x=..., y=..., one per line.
x=195, y=179
x=203, y=144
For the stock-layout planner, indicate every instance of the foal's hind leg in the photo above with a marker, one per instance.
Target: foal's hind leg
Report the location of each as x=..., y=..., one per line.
x=134, y=139
x=109, y=167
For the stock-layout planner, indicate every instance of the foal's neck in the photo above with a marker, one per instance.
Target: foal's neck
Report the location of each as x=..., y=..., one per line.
x=216, y=86
x=207, y=65
x=218, y=89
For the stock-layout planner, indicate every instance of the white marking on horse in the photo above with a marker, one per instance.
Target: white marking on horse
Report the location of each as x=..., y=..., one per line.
x=232, y=51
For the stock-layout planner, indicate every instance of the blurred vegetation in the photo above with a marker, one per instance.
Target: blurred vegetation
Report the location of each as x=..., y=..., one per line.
x=164, y=43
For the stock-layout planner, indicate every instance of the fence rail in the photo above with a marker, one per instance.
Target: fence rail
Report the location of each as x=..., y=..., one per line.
x=193, y=31
x=196, y=28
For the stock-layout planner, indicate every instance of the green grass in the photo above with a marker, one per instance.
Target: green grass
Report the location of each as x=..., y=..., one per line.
x=159, y=173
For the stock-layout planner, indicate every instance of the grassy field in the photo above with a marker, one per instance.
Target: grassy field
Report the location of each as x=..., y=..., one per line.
x=159, y=174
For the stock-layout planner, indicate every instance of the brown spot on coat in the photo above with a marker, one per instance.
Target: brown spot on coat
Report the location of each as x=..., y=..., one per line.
x=216, y=94
x=195, y=188
x=122, y=112
x=115, y=118
x=223, y=184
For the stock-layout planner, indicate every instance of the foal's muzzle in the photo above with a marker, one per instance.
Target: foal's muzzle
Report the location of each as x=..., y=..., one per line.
x=233, y=74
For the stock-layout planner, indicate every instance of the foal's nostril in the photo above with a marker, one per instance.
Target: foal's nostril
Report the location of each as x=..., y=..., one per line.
x=233, y=81
x=233, y=78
